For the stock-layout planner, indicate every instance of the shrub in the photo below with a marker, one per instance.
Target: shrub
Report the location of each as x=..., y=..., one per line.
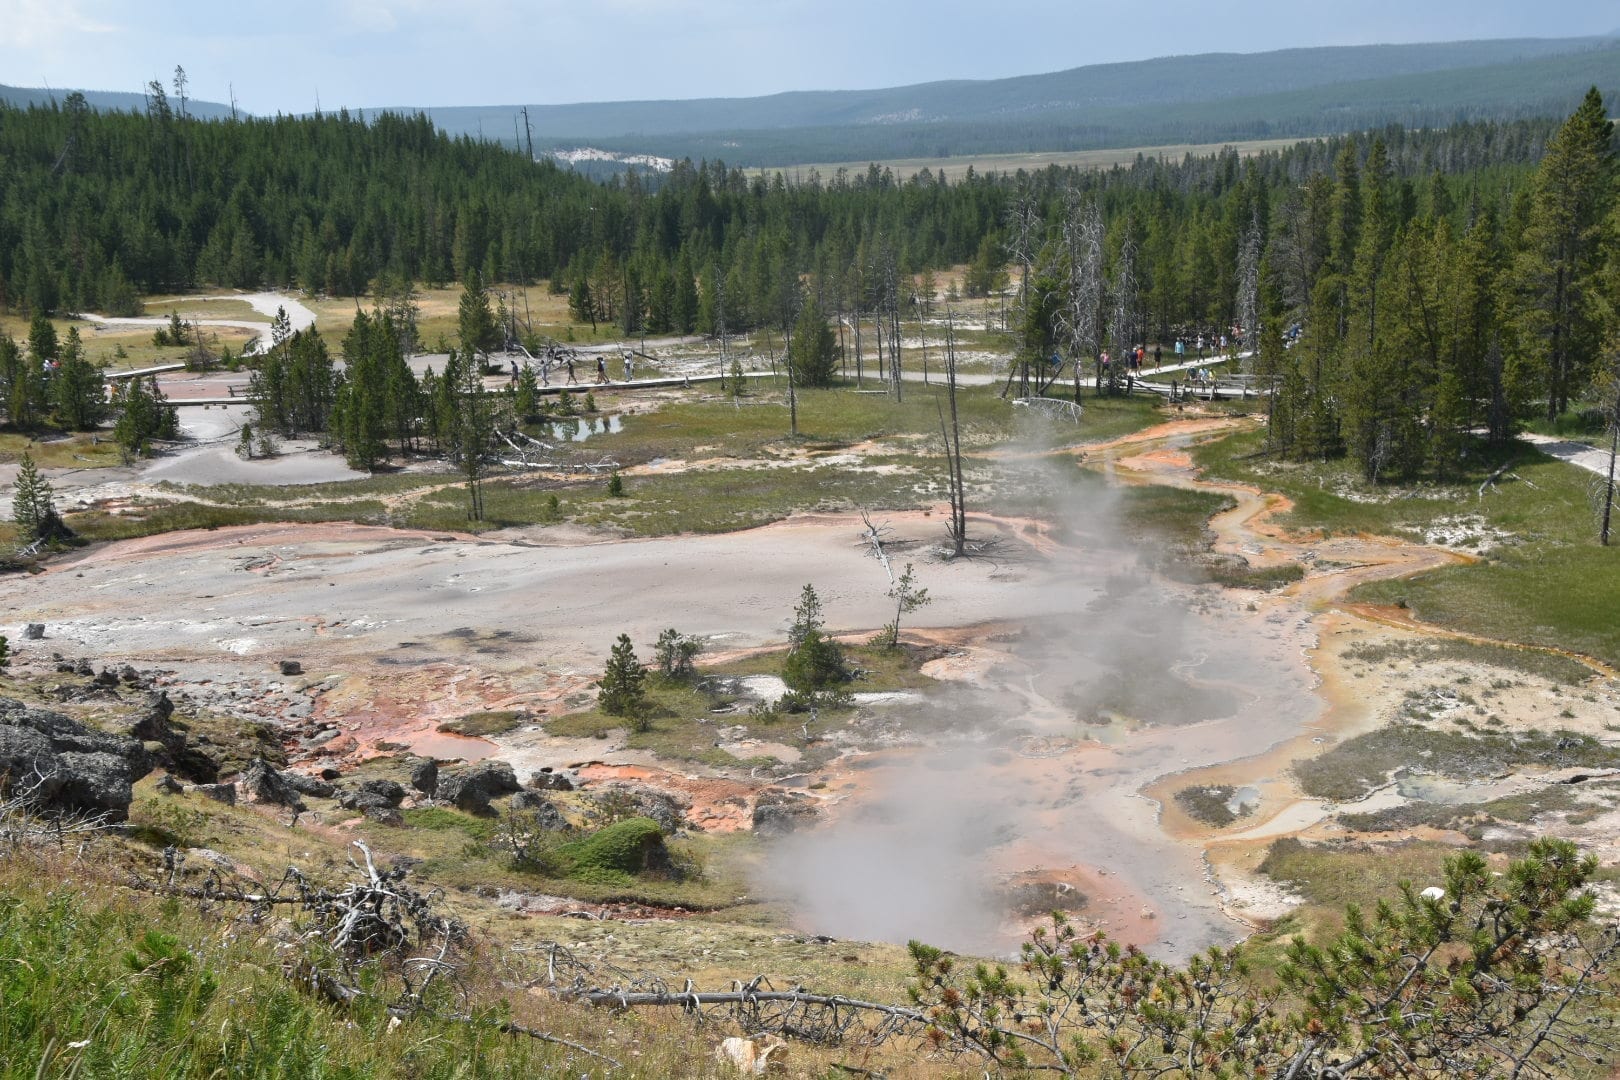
x=618, y=853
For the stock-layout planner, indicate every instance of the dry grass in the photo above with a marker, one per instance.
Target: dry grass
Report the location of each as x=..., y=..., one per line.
x=954, y=168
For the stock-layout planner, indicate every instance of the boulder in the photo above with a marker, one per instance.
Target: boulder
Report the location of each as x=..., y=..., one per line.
x=388, y=790
x=291, y=667
x=34, y=631
x=225, y=793
x=548, y=780
x=778, y=812
x=472, y=789
x=168, y=785
x=633, y=799
x=425, y=778
x=168, y=742
x=313, y=786
x=376, y=806
x=541, y=811
x=67, y=767
x=262, y=784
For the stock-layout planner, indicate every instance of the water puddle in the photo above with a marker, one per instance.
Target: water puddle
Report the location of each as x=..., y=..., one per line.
x=443, y=746
x=582, y=429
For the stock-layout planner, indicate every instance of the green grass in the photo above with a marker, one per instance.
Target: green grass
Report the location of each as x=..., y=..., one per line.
x=879, y=669
x=759, y=490
x=102, y=983
x=484, y=724
x=61, y=450
x=681, y=726
x=1357, y=766
x=1553, y=667
x=1471, y=819
x=1553, y=586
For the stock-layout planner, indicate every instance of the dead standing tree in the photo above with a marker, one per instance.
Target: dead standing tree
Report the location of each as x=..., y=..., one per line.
x=1248, y=297
x=1605, y=484
x=888, y=317
x=956, y=528
x=1023, y=235
x=1123, y=324
x=1081, y=316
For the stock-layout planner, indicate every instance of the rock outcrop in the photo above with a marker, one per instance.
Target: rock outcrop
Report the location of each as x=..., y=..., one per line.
x=472, y=789
x=778, y=812
x=65, y=767
x=262, y=784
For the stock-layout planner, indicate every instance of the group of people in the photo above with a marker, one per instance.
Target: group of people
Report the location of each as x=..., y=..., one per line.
x=555, y=357
x=1211, y=344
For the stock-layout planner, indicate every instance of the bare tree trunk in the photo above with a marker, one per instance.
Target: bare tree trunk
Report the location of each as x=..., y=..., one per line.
x=1608, y=487
x=953, y=450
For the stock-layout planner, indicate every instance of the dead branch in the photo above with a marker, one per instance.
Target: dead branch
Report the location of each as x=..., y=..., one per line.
x=874, y=537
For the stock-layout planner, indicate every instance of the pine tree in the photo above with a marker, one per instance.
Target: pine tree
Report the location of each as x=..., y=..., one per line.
x=621, y=688
x=815, y=662
x=22, y=386
x=81, y=399
x=475, y=321
x=33, y=502
x=1558, y=270
x=814, y=354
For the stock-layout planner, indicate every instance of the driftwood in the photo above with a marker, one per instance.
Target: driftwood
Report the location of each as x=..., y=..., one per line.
x=757, y=1007
x=1052, y=407
x=874, y=537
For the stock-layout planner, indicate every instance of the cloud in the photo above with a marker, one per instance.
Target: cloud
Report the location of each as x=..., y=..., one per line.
x=47, y=24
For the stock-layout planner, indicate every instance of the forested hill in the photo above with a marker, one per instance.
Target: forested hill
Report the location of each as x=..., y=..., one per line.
x=24, y=96
x=96, y=208
x=1208, y=98
x=1171, y=80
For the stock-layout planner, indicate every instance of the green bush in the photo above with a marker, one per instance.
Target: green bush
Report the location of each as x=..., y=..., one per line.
x=616, y=854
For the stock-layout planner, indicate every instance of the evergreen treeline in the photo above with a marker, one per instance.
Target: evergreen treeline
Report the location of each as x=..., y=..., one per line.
x=96, y=208
x=1428, y=281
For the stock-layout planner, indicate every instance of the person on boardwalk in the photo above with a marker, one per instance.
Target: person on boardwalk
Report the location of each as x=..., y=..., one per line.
x=601, y=369
x=629, y=365
x=572, y=378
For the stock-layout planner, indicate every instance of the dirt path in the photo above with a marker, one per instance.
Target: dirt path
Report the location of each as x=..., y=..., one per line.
x=266, y=303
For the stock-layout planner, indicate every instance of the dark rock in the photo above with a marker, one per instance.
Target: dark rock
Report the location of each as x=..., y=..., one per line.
x=1033, y=898
x=425, y=778
x=548, y=780
x=312, y=786
x=68, y=767
x=168, y=744
x=637, y=801
x=386, y=815
x=778, y=812
x=291, y=667
x=225, y=793
x=168, y=785
x=83, y=668
x=107, y=677
x=471, y=789
x=386, y=789
x=541, y=811
x=373, y=805
x=130, y=675
x=329, y=773
x=263, y=784
x=34, y=631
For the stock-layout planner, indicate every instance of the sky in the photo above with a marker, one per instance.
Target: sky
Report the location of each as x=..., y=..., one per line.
x=291, y=55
